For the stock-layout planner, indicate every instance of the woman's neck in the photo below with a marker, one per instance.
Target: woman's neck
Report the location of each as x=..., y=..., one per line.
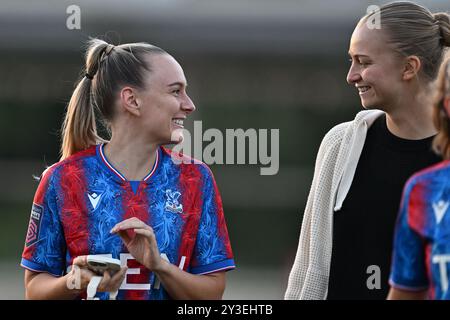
x=132, y=158
x=412, y=118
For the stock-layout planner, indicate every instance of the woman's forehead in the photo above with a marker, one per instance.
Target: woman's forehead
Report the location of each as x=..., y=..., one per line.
x=367, y=42
x=166, y=69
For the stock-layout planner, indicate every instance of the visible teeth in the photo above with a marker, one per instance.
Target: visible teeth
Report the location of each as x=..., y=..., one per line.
x=178, y=121
x=363, y=89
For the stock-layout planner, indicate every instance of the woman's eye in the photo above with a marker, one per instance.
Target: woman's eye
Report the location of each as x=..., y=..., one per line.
x=176, y=92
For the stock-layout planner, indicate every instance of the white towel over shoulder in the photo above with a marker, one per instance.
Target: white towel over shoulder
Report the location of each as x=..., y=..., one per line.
x=335, y=167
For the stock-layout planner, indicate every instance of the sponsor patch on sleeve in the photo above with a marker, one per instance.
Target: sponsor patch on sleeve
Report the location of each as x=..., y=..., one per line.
x=35, y=225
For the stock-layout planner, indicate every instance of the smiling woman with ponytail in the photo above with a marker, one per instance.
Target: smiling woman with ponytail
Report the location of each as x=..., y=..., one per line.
x=96, y=89
x=126, y=198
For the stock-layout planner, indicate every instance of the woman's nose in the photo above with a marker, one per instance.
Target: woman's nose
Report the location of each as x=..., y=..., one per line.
x=353, y=76
x=188, y=105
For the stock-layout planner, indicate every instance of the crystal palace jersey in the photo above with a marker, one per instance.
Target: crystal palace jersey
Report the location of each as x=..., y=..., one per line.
x=80, y=199
x=421, y=258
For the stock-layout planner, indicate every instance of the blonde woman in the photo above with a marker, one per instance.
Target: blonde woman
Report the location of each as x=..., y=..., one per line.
x=345, y=243
x=126, y=197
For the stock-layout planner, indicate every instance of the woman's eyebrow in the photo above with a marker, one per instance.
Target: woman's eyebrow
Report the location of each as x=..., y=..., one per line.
x=359, y=55
x=178, y=83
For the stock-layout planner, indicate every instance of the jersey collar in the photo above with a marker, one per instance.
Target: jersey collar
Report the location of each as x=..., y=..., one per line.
x=117, y=175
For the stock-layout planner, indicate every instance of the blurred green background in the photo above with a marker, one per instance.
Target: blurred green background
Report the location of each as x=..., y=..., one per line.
x=253, y=64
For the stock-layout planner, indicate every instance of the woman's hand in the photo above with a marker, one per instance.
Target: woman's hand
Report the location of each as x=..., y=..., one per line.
x=140, y=241
x=81, y=275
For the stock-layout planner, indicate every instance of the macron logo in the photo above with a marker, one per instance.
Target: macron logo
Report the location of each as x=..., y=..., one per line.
x=94, y=198
x=440, y=208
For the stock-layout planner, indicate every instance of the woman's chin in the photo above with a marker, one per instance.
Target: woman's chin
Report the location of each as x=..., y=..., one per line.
x=368, y=105
x=177, y=136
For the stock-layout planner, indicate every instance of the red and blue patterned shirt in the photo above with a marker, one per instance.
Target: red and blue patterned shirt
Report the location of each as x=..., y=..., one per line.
x=421, y=258
x=80, y=199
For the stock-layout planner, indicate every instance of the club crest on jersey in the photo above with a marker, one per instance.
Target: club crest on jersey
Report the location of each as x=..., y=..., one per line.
x=172, y=203
x=35, y=225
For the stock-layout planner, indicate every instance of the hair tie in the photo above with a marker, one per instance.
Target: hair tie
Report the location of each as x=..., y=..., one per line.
x=108, y=49
x=105, y=53
x=87, y=75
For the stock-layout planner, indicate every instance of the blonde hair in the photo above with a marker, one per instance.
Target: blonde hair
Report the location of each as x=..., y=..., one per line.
x=107, y=68
x=441, y=143
x=413, y=30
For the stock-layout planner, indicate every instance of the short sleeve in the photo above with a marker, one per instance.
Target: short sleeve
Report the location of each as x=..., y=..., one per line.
x=408, y=270
x=212, y=252
x=44, y=244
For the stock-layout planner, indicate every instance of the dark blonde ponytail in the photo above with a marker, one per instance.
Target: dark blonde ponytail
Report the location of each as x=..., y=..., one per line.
x=79, y=130
x=441, y=142
x=107, y=67
x=443, y=20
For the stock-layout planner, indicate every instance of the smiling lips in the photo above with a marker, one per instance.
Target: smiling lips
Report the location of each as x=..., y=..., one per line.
x=363, y=89
x=178, y=122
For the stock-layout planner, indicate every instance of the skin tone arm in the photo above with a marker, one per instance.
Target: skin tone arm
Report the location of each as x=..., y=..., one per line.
x=178, y=283
x=184, y=286
x=43, y=286
x=397, y=294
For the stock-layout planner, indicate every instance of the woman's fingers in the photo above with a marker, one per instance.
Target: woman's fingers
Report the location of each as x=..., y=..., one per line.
x=130, y=224
x=112, y=283
x=80, y=261
x=145, y=232
x=133, y=224
x=103, y=286
x=117, y=279
x=148, y=234
x=107, y=284
x=125, y=236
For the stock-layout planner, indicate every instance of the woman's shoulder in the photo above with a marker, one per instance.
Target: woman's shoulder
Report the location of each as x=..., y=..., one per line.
x=185, y=162
x=336, y=134
x=60, y=165
x=431, y=175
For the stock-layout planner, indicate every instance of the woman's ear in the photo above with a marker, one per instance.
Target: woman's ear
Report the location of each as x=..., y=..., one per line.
x=129, y=101
x=412, y=67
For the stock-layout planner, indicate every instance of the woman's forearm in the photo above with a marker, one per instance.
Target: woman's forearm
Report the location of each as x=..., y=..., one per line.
x=43, y=286
x=182, y=285
x=397, y=294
